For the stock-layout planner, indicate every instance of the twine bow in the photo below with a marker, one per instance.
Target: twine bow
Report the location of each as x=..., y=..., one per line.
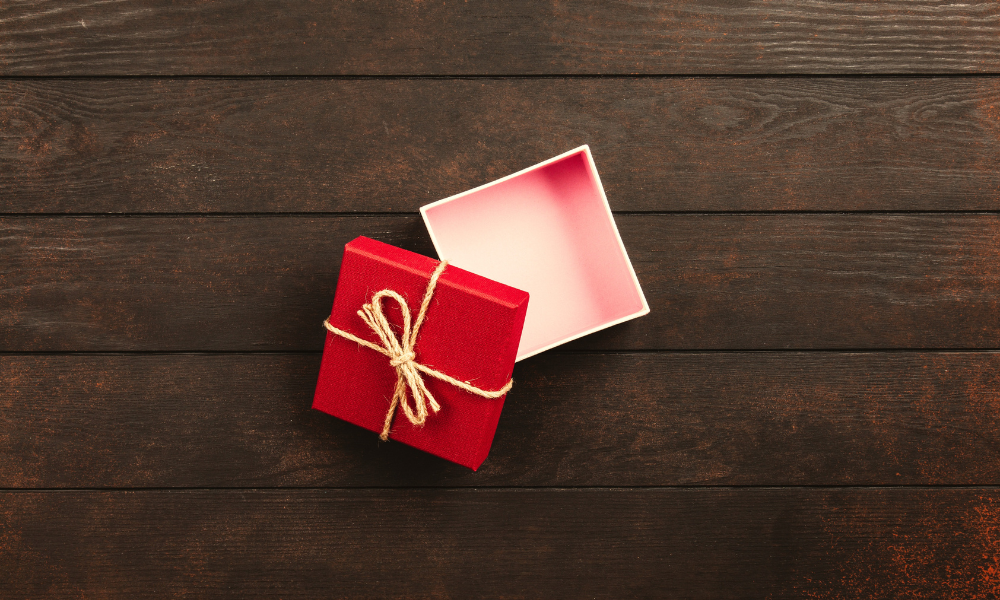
x=403, y=358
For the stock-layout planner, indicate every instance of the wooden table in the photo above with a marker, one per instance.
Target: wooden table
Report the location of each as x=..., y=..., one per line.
x=809, y=192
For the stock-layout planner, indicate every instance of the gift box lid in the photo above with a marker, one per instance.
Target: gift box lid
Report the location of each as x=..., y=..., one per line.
x=470, y=333
x=547, y=230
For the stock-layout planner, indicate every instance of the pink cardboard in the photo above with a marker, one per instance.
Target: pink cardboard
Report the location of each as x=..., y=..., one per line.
x=547, y=230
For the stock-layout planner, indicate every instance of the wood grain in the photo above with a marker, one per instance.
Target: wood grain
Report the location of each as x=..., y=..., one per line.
x=158, y=356
x=243, y=146
x=652, y=419
x=161, y=37
x=639, y=543
x=787, y=281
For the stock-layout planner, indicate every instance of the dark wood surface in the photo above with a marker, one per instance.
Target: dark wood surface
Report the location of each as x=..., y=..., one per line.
x=577, y=419
x=553, y=543
x=810, y=194
x=514, y=37
x=391, y=145
x=718, y=281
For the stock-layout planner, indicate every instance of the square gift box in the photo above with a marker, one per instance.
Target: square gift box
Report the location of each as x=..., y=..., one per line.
x=470, y=333
x=547, y=230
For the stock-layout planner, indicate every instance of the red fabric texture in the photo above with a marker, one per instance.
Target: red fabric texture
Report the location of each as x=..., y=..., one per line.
x=471, y=332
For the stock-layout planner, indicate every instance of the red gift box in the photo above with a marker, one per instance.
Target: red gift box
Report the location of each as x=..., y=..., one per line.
x=470, y=333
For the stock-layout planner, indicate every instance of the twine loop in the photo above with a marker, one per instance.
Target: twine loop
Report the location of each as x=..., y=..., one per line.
x=403, y=358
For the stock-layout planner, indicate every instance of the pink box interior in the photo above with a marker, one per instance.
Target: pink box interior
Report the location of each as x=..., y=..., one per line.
x=546, y=230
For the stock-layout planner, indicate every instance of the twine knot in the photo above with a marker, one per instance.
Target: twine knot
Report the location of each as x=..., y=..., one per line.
x=403, y=358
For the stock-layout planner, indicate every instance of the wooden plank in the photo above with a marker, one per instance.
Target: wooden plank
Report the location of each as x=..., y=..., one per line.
x=636, y=543
x=160, y=37
x=117, y=421
x=392, y=145
x=786, y=281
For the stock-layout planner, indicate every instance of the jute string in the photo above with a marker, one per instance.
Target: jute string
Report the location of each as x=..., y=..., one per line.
x=403, y=359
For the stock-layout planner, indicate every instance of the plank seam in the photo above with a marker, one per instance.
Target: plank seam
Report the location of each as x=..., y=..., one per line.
x=359, y=215
x=495, y=76
x=566, y=352
x=562, y=488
